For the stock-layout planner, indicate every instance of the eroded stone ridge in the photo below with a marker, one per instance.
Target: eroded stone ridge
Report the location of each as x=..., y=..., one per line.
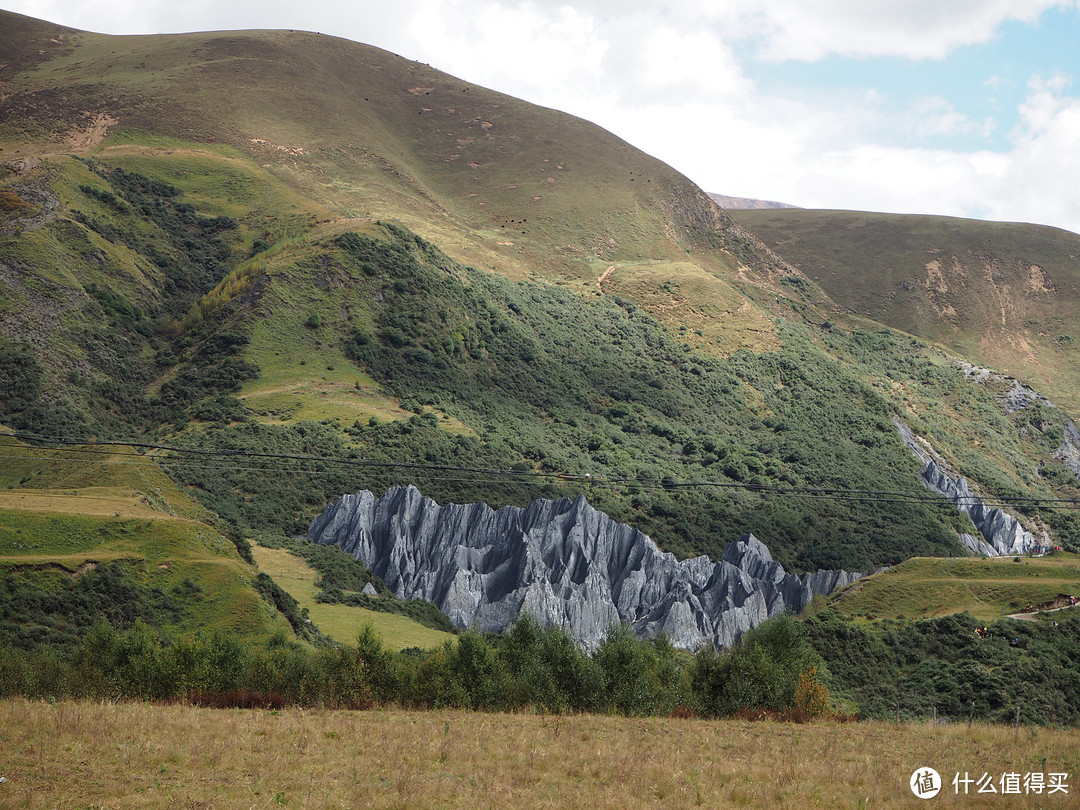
x=564, y=562
x=1002, y=534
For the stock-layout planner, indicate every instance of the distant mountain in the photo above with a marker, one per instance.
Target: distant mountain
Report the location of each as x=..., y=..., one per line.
x=745, y=203
x=1005, y=295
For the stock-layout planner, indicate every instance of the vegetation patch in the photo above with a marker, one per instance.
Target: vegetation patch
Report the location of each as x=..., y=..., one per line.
x=988, y=589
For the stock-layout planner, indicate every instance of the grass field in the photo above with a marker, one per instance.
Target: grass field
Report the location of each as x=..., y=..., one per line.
x=89, y=480
x=135, y=755
x=161, y=552
x=923, y=587
x=72, y=509
x=114, y=501
x=342, y=622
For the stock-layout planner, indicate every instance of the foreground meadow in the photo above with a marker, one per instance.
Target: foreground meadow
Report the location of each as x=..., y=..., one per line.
x=134, y=755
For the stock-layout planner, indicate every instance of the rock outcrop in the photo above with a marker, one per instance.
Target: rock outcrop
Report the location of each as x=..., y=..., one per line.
x=1069, y=452
x=1002, y=534
x=1015, y=396
x=565, y=563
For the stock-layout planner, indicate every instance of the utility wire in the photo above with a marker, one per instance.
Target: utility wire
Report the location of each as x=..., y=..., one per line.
x=225, y=458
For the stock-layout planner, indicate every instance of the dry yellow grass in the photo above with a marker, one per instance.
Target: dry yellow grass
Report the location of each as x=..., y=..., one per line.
x=138, y=755
x=101, y=501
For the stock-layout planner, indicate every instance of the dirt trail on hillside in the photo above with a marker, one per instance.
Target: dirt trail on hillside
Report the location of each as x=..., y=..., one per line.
x=604, y=277
x=1059, y=603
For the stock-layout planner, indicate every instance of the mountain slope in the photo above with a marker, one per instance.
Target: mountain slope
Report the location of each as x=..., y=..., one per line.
x=110, y=535
x=499, y=183
x=331, y=269
x=1006, y=295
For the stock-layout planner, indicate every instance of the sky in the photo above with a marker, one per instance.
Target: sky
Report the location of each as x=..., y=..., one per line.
x=958, y=107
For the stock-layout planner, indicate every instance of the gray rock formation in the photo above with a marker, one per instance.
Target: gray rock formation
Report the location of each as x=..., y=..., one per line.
x=565, y=563
x=978, y=546
x=1002, y=533
x=1019, y=397
x=1069, y=452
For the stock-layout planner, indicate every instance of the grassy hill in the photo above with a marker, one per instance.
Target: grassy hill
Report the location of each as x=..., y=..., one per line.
x=310, y=267
x=110, y=535
x=89, y=532
x=1005, y=295
x=988, y=589
x=366, y=135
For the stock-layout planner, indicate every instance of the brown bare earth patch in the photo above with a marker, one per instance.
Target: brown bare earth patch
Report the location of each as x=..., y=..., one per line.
x=92, y=133
x=89, y=565
x=1039, y=281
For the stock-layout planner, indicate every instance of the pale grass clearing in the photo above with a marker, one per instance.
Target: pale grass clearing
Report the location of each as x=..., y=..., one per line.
x=700, y=307
x=99, y=501
x=137, y=755
x=343, y=623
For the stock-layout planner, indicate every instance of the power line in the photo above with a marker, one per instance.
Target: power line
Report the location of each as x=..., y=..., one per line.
x=229, y=460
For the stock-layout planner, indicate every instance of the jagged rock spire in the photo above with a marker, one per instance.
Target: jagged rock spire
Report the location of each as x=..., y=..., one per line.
x=564, y=562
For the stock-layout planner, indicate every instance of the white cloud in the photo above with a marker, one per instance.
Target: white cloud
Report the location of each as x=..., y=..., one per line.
x=1044, y=175
x=1036, y=179
x=808, y=30
x=933, y=116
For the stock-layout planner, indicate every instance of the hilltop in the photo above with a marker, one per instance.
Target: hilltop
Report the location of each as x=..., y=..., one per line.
x=745, y=203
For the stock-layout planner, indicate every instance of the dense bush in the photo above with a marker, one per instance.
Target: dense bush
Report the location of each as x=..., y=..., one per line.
x=529, y=668
x=47, y=608
x=782, y=668
x=915, y=668
x=762, y=673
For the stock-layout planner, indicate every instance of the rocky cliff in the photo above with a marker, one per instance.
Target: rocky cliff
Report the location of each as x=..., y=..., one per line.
x=1001, y=532
x=565, y=563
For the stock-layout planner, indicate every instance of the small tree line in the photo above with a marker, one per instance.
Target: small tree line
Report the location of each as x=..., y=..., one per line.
x=529, y=668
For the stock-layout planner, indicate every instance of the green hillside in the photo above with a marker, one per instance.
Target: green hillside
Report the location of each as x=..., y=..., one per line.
x=113, y=537
x=1004, y=295
x=988, y=589
x=288, y=267
x=225, y=288
x=367, y=135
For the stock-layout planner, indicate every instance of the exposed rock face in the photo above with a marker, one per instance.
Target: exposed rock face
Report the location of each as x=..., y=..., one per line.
x=1019, y=397
x=1069, y=452
x=565, y=563
x=1002, y=533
